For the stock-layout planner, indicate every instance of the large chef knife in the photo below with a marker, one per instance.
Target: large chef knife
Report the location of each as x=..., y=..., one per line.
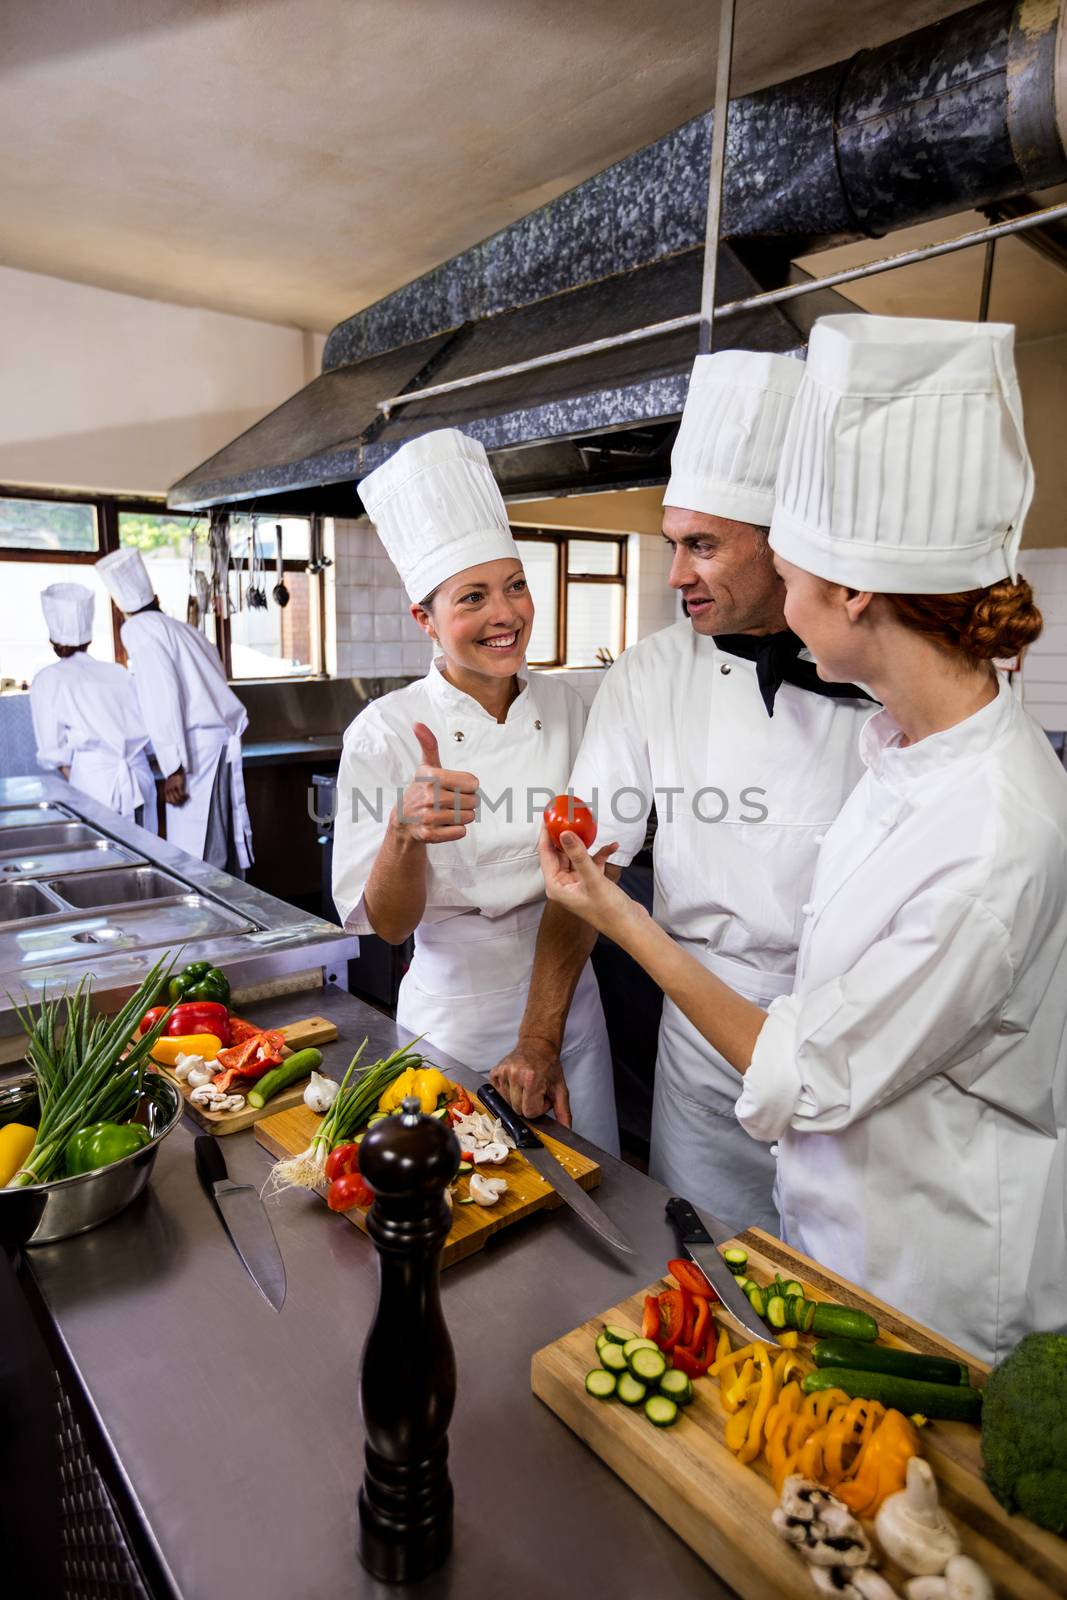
x=553, y=1171
x=245, y=1219
x=699, y=1241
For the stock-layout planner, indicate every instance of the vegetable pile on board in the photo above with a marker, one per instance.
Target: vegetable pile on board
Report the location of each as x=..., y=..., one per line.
x=88, y=1074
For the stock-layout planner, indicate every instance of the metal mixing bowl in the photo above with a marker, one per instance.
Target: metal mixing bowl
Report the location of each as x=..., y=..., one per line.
x=44, y=1212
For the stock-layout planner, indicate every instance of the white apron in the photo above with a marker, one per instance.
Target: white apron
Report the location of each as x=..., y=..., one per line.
x=124, y=785
x=187, y=825
x=698, y=1147
x=466, y=989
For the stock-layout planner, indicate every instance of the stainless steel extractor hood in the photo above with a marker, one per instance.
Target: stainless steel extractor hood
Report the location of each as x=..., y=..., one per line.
x=966, y=113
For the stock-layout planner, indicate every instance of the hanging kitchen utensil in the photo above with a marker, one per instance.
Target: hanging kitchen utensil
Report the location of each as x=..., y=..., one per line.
x=280, y=592
x=256, y=597
x=192, y=604
x=220, y=562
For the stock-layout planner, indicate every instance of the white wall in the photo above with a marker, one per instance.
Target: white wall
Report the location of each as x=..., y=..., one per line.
x=370, y=630
x=1045, y=663
x=114, y=393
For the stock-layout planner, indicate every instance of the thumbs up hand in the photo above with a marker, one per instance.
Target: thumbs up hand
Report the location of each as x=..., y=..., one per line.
x=438, y=804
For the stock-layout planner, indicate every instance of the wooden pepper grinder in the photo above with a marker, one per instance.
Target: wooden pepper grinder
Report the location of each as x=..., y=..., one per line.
x=408, y=1386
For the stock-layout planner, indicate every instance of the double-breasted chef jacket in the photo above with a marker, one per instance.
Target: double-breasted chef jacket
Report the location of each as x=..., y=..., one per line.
x=742, y=802
x=86, y=716
x=467, y=985
x=195, y=721
x=916, y=1081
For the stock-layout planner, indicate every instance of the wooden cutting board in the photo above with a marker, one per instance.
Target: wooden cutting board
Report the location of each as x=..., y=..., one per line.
x=289, y=1132
x=722, y=1509
x=298, y=1036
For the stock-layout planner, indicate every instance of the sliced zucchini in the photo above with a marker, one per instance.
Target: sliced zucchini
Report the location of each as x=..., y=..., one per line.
x=611, y=1356
x=629, y=1391
x=465, y=1166
x=776, y=1311
x=616, y=1334
x=794, y=1311
x=661, y=1411
x=600, y=1384
x=736, y=1260
x=601, y=1340
x=793, y=1287
x=439, y=1113
x=756, y=1299
x=677, y=1386
x=638, y=1344
x=810, y=1309
x=377, y=1116
x=648, y=1365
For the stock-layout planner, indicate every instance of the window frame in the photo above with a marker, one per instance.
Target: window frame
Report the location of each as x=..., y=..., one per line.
x=561, y=537
x=107, y=509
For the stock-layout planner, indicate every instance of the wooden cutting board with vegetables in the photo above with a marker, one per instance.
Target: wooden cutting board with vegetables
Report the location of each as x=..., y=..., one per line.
x=307, y=1035
x=720, y=1436
x=289, y=1132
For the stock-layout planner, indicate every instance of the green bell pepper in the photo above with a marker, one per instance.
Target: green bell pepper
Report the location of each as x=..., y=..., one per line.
x=199, y=981
x=102, y=1144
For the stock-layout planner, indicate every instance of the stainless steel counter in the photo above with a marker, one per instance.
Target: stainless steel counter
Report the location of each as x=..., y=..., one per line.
x=237, y=1430
x=82, y=889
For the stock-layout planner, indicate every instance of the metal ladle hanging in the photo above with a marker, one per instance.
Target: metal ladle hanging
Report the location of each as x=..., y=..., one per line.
x=280, y=592
x=256, y=595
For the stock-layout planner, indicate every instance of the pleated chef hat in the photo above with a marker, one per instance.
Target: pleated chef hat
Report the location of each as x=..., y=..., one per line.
x=437, y=510
x=905, y=468
x=126, y=579
x=68, y=612
x=725, y=458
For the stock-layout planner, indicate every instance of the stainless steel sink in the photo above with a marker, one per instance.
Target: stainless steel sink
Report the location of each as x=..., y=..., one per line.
x=78, y=858
x=119, y=887
x=21, y=900
x=50, y=836
x=67, y=936
x=26, y=816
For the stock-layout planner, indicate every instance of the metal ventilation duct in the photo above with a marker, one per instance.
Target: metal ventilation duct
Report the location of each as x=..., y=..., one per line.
x=966, y=113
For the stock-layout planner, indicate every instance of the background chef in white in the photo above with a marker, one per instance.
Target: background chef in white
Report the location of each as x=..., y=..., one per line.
x=415, y=849
x=193, y=717
x=916, y=1079
x=746, y=772
x=86, y=717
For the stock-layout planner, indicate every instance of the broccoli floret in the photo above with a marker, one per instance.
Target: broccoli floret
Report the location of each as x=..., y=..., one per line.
x=1024, y=1430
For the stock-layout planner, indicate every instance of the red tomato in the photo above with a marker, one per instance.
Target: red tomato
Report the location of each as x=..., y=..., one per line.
x=347, y=1191
x=342, y=1160
x=567, y=814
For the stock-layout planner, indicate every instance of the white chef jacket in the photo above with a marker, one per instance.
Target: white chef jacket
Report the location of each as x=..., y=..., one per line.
x=86, y=717
x=917, y=1079
x=467, y=986
x=195, y=721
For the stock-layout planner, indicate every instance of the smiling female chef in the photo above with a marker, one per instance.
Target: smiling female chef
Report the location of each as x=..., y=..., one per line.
x=442, y=783
x=916, y=1080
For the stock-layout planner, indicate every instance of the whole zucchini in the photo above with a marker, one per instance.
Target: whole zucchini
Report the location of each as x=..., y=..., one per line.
x=299, y=1065
x=958, y=1402
x=856, y=1357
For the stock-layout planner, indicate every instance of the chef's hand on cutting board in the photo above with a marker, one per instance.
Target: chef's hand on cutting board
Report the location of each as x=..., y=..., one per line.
x=531, y=1079
x=578, y=882
x=438, y=804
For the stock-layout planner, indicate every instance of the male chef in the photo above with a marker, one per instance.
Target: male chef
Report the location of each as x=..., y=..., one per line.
x=193, y=717
x=747, y=757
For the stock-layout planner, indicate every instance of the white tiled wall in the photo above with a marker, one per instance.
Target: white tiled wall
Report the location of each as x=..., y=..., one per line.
x=650, y=603
x=371, y=632
x=1045, y=663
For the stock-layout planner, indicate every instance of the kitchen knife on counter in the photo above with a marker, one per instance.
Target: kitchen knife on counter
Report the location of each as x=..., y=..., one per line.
x=245, y=1220
x=554, y=1173
x=699, y=1241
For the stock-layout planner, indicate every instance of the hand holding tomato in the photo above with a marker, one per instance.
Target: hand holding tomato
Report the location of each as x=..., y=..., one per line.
x=567, y=814
x=577, y=881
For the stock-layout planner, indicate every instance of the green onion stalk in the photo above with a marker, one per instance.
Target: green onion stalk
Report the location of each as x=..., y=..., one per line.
x=354, y=1103
x=87, y=1068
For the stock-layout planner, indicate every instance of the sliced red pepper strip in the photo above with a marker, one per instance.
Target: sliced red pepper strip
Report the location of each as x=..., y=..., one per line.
x=691, y=1303
x=689, y=1276
x=691, y=1365
x=650, y=1323
x=697, y=1343
x=672, y=1304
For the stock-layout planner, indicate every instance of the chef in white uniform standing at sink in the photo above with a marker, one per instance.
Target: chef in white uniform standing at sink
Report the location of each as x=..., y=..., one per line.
x=86, y=717
x=193, y=717
x=442, y=783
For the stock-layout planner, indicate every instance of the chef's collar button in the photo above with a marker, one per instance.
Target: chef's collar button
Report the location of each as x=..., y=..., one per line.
x=807, y=908
x=774, y=1151
x=537, y=724
x=458, y=736
x=820, y=838
x=725, y=670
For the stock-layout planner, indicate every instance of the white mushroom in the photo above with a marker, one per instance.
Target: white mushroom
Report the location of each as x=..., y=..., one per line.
x=821, y=1527
x=205, y=1094
x=495, y=1152
x=486, y=1191
x=229, y=1102
x=911, y=1527
x=852, y=1583
x=197, y=1077
x=963, y=1579
x=184, y=1064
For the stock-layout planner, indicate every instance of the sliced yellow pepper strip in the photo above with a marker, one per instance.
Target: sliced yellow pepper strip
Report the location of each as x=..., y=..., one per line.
x=738, y=1426
x=722, y=1349
x=767, y=1391
x=734, y=1396
x=731, y=1359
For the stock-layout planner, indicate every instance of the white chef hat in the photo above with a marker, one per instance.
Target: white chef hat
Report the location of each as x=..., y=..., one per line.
x=126, y=579
x=725, y=458
x=68, y=612
x=905, y=469
x=437, y=510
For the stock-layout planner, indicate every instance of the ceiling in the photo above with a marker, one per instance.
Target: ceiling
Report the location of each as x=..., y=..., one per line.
x=294, y=160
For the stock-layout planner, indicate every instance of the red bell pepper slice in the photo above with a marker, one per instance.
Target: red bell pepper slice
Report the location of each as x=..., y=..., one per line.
x=689, y=1276
x=650, y=1323
x=200, y=1016
x=673, y=1310
x=691, y=1365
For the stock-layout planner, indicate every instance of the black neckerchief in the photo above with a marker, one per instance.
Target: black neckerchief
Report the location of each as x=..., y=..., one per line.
x=776, y=657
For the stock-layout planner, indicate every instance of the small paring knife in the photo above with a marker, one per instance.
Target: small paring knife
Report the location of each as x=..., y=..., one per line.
x=699, y=1242
x=529, y=1144
x=245, y=1219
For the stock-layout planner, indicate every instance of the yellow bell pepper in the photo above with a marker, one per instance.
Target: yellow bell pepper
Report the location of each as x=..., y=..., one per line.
x=882, y=1467
x=397, y=1091
x=750, y=1449
x=424, y=1086
x=432, y=1078
x=16, y=1142
x=734, y=1396
x=737, y=1427
x=166, y=1051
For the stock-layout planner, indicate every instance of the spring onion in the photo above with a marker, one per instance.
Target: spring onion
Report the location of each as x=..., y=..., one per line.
x=87, y=1068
